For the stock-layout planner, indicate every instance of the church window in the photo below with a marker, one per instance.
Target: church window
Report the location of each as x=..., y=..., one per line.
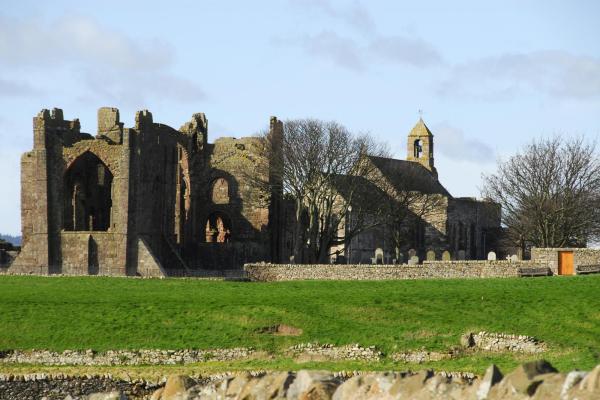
x=220, y=191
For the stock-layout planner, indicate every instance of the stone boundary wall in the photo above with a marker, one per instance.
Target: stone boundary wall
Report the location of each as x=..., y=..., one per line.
x=122, y=357
x=428, y=270
x=209, y=274
x=206, y=273
x=502, y=342
x=331, y=352
x=581, y=256
x=90, y=357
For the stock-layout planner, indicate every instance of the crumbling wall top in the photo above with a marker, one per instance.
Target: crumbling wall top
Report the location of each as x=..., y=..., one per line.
x=143, y=119
x=109, y=124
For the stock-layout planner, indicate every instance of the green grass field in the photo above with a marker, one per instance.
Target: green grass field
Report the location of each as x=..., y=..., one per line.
x=118, y=313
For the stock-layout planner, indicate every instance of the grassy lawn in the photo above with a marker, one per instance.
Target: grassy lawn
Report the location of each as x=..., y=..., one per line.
x=117, y=313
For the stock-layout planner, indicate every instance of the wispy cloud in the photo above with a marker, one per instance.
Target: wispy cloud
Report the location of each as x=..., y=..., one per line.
x=355, y=51
x=134, y=89
x=354, y=15
x=76, y=39
x=454, y=144
x=10, y=88
x=356, y=55
x=342, y=51
x=126, y=69
x=405, y=50
x=553, y=73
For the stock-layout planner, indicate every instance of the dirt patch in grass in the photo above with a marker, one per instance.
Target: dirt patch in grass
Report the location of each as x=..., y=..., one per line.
x=281, y=330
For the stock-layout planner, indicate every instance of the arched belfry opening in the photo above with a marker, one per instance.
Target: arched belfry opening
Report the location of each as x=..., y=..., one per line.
x=418, y=148
x=88, y=194
x=218, y=228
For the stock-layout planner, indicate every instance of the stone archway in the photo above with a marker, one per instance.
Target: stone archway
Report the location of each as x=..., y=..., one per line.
x=88, y=194
x=218, y=228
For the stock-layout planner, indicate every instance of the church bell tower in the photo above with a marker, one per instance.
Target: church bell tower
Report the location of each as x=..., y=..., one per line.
x=420, y=146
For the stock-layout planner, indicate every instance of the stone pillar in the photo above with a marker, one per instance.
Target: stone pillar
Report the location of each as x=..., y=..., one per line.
x=35, y=255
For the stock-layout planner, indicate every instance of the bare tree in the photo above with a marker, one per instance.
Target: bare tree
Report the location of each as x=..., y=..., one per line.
x=549, y=193
x=319, y=165
x=414, y=196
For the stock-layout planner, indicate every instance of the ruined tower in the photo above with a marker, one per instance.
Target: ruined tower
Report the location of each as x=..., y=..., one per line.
x=149, y=200
x=420, y=146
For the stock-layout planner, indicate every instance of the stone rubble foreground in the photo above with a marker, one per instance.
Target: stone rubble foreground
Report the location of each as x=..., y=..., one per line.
x=533, y=380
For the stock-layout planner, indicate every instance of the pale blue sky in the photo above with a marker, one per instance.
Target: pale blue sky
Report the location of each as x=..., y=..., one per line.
x=490, y=76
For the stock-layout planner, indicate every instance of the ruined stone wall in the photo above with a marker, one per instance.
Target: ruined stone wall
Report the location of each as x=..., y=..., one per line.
x=160, y=192
x=51, y=244
x=581, y=256
x=237, y=169
x=160, y=198
x=93, y=253
x=470, y=227
x=147, y=264
x=429, y=270
x=41, y=193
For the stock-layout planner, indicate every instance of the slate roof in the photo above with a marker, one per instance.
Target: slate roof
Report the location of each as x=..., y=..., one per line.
x=364, y=191
x=409, y=175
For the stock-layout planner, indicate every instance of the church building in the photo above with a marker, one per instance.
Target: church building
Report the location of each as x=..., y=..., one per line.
x=152, y=200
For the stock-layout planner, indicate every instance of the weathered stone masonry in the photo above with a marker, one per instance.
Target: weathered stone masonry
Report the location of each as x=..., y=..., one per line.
x=140, y=201
x=581, y=257
x=429, y=269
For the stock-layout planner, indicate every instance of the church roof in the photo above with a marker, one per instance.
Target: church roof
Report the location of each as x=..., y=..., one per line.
x=409, y=175
x=420, y=129
x=363, y=191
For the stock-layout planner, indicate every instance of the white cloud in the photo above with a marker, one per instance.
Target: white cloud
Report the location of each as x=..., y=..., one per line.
x=356, y=55
x=553, y=73
x=342, y=51
x=452, y=143
x=106, y=61
x=76, y=39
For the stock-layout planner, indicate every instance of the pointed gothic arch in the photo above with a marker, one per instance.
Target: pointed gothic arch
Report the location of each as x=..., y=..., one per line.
x=88, y=194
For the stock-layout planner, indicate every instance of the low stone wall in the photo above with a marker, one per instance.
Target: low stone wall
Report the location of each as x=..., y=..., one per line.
x=122, y=357
x=304, y=351
x=331, y=352
x=581, y=256
x=206, y=273
x=502, y=342
x=428, y=270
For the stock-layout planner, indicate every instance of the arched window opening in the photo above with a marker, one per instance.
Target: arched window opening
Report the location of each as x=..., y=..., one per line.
x=220, y=191
x=218, y=228
x=418, y=148
x=418, y=234
x=88, y=185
